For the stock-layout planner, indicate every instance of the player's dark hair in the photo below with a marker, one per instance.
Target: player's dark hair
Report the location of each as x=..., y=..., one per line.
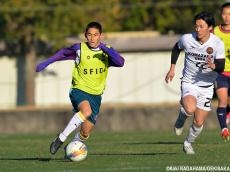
x=207, y=17
x=94, y=25
x=227, y=4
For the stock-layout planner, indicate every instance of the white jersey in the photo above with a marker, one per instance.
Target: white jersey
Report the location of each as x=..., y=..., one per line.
x=195, y=67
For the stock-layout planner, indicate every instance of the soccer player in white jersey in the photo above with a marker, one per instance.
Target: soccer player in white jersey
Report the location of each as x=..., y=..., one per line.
x=204, y=58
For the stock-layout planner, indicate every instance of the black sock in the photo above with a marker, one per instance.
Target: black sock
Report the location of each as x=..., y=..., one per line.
x=221, y=115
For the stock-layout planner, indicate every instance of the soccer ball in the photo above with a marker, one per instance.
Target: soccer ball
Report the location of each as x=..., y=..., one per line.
x=76, y=151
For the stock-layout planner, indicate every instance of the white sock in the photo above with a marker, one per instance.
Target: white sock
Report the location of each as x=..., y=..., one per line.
x=74, y=123
x=194, y=131
x=186, y=143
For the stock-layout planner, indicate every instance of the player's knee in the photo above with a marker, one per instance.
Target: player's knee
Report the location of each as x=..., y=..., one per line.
x=86, y=112
x=184, y=112
x=198, y=123
x=190, y=110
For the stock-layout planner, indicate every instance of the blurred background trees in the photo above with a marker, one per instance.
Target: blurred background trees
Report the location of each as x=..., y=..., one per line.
x=34, y=28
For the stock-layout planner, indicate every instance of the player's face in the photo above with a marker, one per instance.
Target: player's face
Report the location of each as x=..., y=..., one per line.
x=226, y=15
x=93, y=37
x=202, y=29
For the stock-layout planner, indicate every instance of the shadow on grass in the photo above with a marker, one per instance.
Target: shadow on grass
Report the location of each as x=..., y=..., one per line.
x=153, y=143
x=45, y=159
x=91, y=154
x=31, y=159
x=135, y=154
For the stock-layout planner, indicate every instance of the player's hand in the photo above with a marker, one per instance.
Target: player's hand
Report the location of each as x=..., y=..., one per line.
x=169, y=76
x=210, y=64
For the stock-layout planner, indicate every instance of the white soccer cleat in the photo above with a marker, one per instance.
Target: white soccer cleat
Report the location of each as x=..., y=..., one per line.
x=178, y=131
x=187, y=148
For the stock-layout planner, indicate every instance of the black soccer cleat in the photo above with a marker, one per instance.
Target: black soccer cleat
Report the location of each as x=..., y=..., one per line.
x=65, y=157
x=55, y=145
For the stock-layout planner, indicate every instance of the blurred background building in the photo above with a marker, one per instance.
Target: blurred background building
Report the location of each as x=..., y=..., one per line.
x=141, y=80
x=143, y=31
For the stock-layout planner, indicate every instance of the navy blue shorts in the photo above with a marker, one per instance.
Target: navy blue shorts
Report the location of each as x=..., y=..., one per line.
x=77, y=96
x=222, y=81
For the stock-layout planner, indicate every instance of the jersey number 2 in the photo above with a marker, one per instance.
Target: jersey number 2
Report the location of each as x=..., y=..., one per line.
x=207, y=103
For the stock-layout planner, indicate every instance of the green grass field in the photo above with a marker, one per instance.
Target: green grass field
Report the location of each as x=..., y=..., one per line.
x=110, y=152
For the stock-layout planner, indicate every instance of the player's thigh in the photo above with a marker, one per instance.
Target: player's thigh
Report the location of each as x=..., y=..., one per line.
x=87, y=127
x=80, y=101
x=200, y=116
x=85, y=108
x=189, y=103
x=188, y=97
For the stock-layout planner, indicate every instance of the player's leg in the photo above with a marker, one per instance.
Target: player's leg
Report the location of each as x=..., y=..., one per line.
x=222, y=111
x=88, y=125
x=84, y=133
x=80, y=103
x=188, y=102
x=77, y=119
x=184, y=113
x=194, y=130
x=203, y=107
x=228, y=109
x=222, y=94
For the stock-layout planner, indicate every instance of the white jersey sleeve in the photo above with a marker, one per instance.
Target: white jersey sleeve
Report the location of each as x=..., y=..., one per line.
x=220, y=53
x=180, y=43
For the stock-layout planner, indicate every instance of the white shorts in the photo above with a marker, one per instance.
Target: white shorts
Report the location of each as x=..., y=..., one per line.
x=203, y=95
